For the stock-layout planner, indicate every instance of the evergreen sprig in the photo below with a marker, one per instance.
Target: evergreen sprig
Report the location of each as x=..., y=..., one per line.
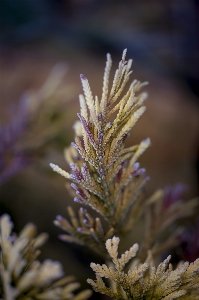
x=143, y=281
x=105, y=175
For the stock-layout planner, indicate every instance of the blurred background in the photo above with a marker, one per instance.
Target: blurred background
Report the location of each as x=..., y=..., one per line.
x=44, y=46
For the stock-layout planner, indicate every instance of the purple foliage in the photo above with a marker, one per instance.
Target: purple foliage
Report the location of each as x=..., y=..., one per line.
x=79, y=191
x=87, y=129
x=11, y=159
x=138, y=172
x=8, y=170
x=100, y=117
x=15, y=128
x=76, y=172
x=190, y=243
x=100, y=138
x=78, y=200
x=174, y=194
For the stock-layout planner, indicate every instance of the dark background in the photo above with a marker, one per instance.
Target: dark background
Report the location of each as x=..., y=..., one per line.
x=162, y=37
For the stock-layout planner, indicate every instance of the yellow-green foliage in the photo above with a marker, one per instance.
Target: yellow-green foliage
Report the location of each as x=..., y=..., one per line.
x=143, y=281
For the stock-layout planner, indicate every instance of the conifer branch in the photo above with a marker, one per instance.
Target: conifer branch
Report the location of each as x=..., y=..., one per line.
x=144, y=281
x=105, y=172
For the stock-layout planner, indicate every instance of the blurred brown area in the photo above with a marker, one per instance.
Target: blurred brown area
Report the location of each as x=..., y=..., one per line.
x=161, y=37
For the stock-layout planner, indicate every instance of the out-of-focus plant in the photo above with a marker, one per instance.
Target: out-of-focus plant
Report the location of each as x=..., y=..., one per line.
x=23, y=277
x=38, y=121
x=189, y=241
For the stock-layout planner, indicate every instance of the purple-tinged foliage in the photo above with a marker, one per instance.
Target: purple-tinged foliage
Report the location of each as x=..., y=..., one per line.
x=173, y=194
x=81, y=194
x=102, y=173
x=79, y=191
x=189, y=240
x=100, y=138
x=85, y=171
x=83, y=77
x=14, y=166
x=78, y=200
x=138, y=172
x=100, y=117
x=76, y=172
x=34, y=123
x=87, y=129
x=12, y=159
x=74, y=146
x=11, y=132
